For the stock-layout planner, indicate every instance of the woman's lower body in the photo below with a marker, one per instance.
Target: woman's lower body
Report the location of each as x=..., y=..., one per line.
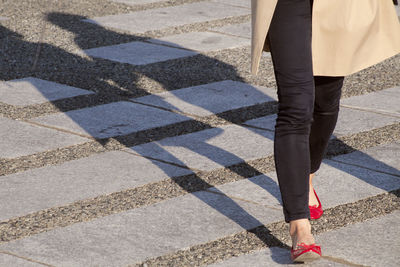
x=308, y=105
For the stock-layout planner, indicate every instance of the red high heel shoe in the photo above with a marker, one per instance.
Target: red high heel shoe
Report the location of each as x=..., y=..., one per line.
x=316, y=211
x=305, y=253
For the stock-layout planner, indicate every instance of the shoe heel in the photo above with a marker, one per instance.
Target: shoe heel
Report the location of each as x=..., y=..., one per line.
x=307, y=257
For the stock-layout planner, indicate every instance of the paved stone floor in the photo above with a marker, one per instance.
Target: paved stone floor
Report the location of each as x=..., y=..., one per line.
x=133, y=134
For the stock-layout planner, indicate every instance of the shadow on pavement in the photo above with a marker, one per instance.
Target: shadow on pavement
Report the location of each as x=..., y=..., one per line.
x=113, y=82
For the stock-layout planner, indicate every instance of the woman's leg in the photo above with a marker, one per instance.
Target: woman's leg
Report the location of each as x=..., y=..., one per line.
x=290, y=43
x=326, y=110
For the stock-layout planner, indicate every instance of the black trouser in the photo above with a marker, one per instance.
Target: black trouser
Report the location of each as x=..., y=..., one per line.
x=308, y=105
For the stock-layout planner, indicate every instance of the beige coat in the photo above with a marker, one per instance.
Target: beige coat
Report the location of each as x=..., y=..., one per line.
x=347, y=35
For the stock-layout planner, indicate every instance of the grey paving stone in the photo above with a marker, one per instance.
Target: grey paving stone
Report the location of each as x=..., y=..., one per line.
x=266, y=122
x=112, y=119
x=386, y=101
x=133, y=236
x=350, y=121
x=242, y=3
x=333, y=179
x=157, y=19
x=211, y=149
x=29, y=91
x=242, y=30
x=384, y=158
x=353, y=121
x=350, y=183
x=20, y=139
x=12, y=261
x=202, y=41
x=208, y=99
x=52, y=186
x=138, y=2
x=138, y=53
x=264, y=190
x=270, y=257
x=372, y=243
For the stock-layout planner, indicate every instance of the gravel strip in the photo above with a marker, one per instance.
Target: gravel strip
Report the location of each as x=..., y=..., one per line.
x=276, y=234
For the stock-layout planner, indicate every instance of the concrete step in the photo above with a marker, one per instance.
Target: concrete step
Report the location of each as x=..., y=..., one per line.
x=384, y=101
x=138, y=53
x=350, y=121
x=101, y=174
x=161, y=18
x=212, y=98
x=118, y=118
x=21, y=138
x=30, y=91
x=138, y=2
x=202, y=41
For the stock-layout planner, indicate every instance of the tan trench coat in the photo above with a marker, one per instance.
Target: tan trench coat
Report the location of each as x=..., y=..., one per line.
x=347, y=35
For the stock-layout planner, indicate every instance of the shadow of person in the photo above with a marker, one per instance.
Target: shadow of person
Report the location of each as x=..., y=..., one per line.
x=49, y=62
x=192, y=70
x=114, y=81
x=180, y=75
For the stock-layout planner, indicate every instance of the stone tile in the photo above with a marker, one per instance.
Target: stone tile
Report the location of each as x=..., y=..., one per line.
x=333, y=179
x=372, y=243
x=384, y=158
x=208, y=99
x=386, y=101
x=138, y=2
x=135, y=235
x=241, y=3
x=29, y=91
x=350, y=122
x=264, y=190
x=9, y=260
x=202, y=41
x=350, y=183
x=157, y=19
x=270, y=257
x=266, y=122
x=112, y=119
x=52, y=186
x=20, y=139
x=138, y=53
x=241, y=30
x=211, y=149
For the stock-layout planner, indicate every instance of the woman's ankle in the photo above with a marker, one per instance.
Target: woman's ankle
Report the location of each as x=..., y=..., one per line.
x=299, y=225
x=300, y=232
